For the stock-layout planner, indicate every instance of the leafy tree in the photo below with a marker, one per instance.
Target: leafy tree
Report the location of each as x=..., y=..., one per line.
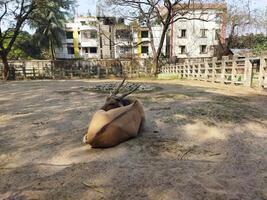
x=24, y=47
x=49, y=26
x=15, y=14
x=256, y=42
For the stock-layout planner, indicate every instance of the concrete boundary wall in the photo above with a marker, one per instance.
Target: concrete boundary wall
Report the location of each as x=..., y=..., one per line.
x=248, y=71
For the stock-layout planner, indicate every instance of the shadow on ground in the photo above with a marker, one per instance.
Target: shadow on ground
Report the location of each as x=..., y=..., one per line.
x=198, y=143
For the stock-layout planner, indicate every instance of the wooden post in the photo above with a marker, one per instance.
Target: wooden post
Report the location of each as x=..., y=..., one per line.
x=248, y=72
x=233, y=74
x=106, y=72
x=224, y=58
x=71, y=72
x=98, y=72
x=88, y=71
x=33, y=73
x=188, y=69
x=262, y=74
x=194, y=70
x=199, y=71
x=24, y=70
x=206, y=64
x=214, y=59
x=131, y=71
x=183, y=67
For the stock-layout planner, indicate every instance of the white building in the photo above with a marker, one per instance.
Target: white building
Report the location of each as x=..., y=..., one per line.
x=142, y=38
x=199, y=34
x=123, y=42
x=193, y=35
x=81, y=39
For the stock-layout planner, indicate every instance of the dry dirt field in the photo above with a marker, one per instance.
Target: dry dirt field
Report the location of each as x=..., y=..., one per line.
x=201, y=141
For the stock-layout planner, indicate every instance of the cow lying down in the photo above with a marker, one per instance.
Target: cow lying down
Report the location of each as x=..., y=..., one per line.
x=118, y=120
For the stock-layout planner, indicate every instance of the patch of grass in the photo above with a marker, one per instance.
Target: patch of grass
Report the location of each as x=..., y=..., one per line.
x=163, y=98
x=223, y=109
x=195, y=93
x=66, y=92
x=171, y=96
x=229, y=99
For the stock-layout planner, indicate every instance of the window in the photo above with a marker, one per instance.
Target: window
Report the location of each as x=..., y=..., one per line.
x=123, y=34
x=70, y=50
x=83, y=23
x=217, y=34
x=86, y=50
x=85, y=34
x=218, y=18
x=144, y=49
x=93, y=34
x=203, y=33
x=182, y=49
x=124, y=50
x=203, y=49
x=144, y=34
x=69, y=35
x=183, y=33
x=93, y=49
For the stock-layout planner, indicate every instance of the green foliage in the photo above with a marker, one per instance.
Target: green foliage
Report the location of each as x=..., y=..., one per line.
x=49, y=24
x=256, y=42
x=258, y=48
x=24, y=47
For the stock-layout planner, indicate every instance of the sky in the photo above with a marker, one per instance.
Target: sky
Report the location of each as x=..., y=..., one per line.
x=85, y=5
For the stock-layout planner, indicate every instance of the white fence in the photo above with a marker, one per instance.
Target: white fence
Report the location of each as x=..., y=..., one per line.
x=247, y=71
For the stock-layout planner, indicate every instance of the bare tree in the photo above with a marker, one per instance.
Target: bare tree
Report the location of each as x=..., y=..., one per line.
x=242, y=19
x=162, y=12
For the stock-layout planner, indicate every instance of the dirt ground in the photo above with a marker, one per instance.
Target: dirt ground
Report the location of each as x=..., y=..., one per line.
x=201, y=141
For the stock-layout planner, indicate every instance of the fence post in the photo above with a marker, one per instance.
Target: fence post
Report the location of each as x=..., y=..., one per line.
x=206, y=64
x=131, y=71
x=198, y=71
x=98, y=71
x=248, y=72
x=33, y=73
x=24, y=70
x=262, y=75
x=214, y=59
x=233, y=74
x=194, y=70
x=224, y=58
x=106, y=71
x=183, y=68
x=71, y=71
x=188, y=69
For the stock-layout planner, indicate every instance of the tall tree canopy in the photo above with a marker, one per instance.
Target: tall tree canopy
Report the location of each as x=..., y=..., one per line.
x=49, y=26
x=15, y=14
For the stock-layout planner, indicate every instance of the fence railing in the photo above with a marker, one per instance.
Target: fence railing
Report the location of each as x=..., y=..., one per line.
x=36, y=69
x=247, y=71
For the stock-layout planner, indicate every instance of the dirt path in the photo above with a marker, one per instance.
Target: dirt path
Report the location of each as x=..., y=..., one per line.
x=201, y=141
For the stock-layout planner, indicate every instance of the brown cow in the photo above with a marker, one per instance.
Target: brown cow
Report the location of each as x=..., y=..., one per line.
x=118, y=120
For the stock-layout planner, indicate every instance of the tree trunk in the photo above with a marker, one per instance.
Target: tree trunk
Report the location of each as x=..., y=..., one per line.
x=157, y=56
x=52, y=50
x=6, y=66
x=156, y=66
